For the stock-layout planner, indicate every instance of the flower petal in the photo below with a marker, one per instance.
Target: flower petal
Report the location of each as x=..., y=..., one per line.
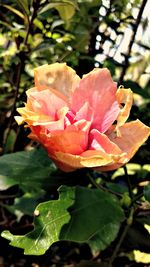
x=73, y=139
x=57, y=76
x=132, y=136
x=46, y=102
x=85, y=112
x=89, y=159
x=124, y=96
x=99, y=141
x=98, y=89
x=43, y=108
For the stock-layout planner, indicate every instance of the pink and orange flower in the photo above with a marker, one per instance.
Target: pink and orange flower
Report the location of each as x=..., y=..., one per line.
x=82, y=122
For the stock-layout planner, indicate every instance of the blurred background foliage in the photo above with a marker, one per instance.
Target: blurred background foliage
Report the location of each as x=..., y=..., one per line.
x=85, y=34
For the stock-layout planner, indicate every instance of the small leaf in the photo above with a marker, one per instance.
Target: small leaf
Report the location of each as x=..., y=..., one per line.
x=141, y=256
x=80, y=214
x=132, y=168
x=66, y=11
x=14, y=10
x=65, y=8
x=25, y=204
x=24, y=5
x=147, y=192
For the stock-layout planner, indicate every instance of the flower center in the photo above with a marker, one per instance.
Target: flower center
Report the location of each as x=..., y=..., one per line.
x=70, y=118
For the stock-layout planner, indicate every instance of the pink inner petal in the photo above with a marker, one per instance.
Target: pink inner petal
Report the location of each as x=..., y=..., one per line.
x=99, y=91
x=46, y=102
x=85, y=112
x=69, y=118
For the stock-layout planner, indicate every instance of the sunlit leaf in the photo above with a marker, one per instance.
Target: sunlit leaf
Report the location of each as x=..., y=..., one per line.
x=132, y=168
x=65, y=8
x=24, y=5
x=14, y=10
x=51, y=217
x=78, y=215
x=66, y=11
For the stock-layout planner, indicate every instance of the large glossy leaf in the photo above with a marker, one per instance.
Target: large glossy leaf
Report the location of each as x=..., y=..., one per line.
x=95, y=218
x=80, y=214
x=29, y=169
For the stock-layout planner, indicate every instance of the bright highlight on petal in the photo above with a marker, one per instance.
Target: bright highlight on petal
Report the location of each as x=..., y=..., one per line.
x=56, y=76
x=73, y=118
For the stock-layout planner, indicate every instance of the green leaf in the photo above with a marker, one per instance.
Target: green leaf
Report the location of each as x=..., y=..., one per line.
x=66, y=8
x=24, y=6
x=80, y=214
x=66, y=11
x=25, y=204
x=14, y=10
x=95, y=218
x=47, y=225
x=91, y=3
x=136, y=88
x=29, y=169
x=133, y=169
x=147, y=192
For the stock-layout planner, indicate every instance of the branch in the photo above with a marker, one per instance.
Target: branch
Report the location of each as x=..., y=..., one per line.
x=135, y=28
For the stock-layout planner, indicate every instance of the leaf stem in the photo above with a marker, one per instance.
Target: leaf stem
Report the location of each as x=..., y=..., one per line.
x=123, y=234
x=99, y=186
x=128, y=183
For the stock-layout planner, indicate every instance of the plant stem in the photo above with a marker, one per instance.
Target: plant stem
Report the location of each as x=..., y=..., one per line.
x=136, y=25
x=128, y=183
x=21, y=65
x=128, y=220
x=99, y=186
x=123, y=234
x=9, y=126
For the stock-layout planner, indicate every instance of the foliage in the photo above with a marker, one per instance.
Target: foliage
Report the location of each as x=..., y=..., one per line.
x=98, y=229
x=46, y=211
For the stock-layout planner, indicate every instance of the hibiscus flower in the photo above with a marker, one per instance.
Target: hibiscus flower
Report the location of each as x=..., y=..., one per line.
x=82, y=122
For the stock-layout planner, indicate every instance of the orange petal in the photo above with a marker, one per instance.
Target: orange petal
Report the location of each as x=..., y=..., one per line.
x=73, y=139
x=99, y=141
x=132, y=136
x=124, y=96
x=88, y=159
x=99, y=91
x=57, y=76
x=43, y=108
x=31, y=117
